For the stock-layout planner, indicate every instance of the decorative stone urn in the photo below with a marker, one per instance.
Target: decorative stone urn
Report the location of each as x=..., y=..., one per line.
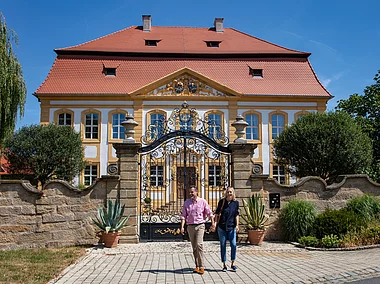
x=129, y=125
x=240, y=124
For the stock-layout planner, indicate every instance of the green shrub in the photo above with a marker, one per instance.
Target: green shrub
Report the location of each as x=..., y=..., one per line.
x=309, y=241
x=297, y=218
x=330, y=241
x=366, y=206
x=363, y=236
x=337, y=222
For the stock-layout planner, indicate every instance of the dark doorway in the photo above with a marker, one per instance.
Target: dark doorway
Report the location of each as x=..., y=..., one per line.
x=186, y=177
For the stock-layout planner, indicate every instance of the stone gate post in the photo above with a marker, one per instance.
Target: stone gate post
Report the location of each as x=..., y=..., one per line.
x=241, y=154
x=127, y=153
x=241, y=169
x=129, y=184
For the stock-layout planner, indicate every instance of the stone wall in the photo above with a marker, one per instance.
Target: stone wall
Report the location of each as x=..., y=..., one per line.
x=59, y=215
x=312, y=189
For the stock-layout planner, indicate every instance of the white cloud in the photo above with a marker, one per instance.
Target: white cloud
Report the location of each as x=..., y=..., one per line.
x=323, y=44
x=325, y=82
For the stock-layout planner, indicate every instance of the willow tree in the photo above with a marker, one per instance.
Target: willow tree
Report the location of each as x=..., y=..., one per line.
x=12, y=84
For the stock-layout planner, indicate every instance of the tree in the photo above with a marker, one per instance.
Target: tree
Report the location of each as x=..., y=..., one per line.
x=365, y=109
x=324, y=145
x=47, y=151
x=12, y=85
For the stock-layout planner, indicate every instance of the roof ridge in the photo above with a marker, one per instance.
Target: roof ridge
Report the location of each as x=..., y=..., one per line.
x=107, y=35
x=268, y=42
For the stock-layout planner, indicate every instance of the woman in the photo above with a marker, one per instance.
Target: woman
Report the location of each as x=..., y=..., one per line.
x=228, y=225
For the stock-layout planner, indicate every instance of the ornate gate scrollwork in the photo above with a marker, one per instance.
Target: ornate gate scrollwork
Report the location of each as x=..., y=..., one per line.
x=180, y=152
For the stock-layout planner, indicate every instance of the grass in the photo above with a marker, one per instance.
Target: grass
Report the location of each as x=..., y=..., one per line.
x=36, y=265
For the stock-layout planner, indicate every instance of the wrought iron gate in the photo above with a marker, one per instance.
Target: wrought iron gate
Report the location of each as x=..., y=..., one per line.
x=178, y=153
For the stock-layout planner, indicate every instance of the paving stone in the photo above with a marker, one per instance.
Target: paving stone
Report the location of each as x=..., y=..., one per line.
x=170, y=262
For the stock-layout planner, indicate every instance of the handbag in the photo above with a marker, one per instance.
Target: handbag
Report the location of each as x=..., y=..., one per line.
x=217, y=216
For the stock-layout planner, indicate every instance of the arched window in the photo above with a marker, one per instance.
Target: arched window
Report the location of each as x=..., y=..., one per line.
x=214, y=121
x=63, y=117
x=117, y=128
x=156, y=123
x=300, y=114
x=91, y=124
x=278, y=124
x=252, y=130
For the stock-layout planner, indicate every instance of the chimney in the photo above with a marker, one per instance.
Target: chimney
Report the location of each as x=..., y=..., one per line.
x=147, y=23
x=218, y=23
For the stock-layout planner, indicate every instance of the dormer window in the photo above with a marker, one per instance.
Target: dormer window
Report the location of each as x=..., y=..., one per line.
x=109, y=71
x=151, y=42
x=213, y=43
x=256, y=73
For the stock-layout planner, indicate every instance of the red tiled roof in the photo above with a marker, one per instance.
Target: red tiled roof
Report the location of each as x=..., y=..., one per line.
x=184, y=40
x=83, y=75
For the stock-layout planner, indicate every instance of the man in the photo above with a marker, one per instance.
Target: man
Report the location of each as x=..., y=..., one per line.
x=194, y=213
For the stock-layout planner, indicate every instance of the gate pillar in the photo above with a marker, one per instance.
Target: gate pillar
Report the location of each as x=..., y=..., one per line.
x=241, y=169
x=129, y=184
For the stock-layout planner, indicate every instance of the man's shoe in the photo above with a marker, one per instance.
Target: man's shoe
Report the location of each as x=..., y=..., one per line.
x=224, y=269
x=196, y=270
x=201, y=270
x=233, y=267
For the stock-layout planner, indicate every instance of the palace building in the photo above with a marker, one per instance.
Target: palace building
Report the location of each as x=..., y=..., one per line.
x=150, y=72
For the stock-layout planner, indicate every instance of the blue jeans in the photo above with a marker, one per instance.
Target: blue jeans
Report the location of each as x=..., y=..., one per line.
x=223, y=236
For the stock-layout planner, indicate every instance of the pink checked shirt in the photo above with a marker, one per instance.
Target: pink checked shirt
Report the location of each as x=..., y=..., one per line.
x=196, y=212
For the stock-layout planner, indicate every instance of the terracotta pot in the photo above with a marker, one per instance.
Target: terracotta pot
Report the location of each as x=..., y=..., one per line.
x=256, y=237
x=111, y=239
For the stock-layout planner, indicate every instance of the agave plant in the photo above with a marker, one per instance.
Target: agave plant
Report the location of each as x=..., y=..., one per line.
x=110, y=217
x=255, y=216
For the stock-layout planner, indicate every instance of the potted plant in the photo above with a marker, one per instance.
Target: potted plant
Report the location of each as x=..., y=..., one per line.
x=255, y=219
x=110, y=220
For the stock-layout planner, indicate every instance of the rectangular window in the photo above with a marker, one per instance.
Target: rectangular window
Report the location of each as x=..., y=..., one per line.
x=156, y=175
x=256, y=73
x=278, y=125
x=252, y=130
x=214, y=126
x=279, y=174
x=90, y=174
x=157, y=125
x=214, y=44
x=64, y=119
x=91, y=126
x=151, y=42
x=117, y=128
x=214, y=175
x=110, y=71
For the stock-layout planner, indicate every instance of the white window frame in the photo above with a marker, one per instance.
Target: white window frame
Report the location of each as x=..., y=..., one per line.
x=92, y=126
x=279, y=128
x=90, y=176
x=65, y=117
x=120, y=129
x=251, y=126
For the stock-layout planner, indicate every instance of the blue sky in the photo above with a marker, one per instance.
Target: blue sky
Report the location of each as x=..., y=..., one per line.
x=342, y=36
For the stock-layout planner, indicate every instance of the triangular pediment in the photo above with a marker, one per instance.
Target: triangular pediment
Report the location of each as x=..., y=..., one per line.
x=185, y=83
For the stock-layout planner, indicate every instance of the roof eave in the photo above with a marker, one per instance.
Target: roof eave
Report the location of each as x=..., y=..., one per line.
x=182, y=55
